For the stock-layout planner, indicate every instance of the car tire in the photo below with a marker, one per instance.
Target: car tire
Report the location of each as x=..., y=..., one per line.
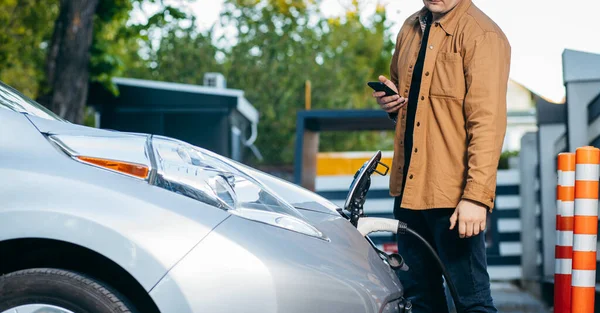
x=58, y=288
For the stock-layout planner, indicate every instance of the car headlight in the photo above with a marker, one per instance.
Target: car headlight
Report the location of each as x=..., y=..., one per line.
x=190, y=171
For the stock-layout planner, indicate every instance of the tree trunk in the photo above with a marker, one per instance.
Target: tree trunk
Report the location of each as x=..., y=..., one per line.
x=67, y=65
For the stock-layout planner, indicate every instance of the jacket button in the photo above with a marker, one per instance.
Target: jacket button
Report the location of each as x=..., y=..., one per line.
x=410, y=66
x=422, y=97
x=406, y=90
x=411, y=177
x=416, y=150
x=418, y=124
x=427, y=74
x=401, y=142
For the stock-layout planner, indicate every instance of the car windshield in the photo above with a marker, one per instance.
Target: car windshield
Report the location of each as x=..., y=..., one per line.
x=13, y=100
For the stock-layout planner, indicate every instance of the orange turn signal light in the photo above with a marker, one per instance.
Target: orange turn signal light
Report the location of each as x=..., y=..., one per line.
x=133, y=169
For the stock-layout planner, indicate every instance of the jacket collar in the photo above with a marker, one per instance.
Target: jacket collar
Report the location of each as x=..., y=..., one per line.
x=449, y=20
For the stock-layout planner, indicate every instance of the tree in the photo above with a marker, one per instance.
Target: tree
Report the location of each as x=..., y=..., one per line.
x=280, y=44
x=183, y=55
x=118, y=41
x=277, y=49
x=36, y=56
x=354, y=54
x=67, y=70
x=25, y=29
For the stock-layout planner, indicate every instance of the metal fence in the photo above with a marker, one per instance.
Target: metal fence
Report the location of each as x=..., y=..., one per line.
x=561, y=128
x=531, y=215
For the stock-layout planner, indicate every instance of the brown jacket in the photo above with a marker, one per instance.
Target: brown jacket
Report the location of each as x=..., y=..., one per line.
x=460, y=120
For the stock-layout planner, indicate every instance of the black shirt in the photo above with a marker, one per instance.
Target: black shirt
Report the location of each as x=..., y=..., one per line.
x=413, y=100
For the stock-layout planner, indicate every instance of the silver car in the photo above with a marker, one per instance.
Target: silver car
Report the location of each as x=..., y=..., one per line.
x=103, y=221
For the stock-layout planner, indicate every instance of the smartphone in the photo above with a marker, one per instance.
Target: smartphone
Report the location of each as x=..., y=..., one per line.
x=379, y=86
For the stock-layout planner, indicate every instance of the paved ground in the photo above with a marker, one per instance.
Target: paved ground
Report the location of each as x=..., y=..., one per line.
x=510, y=299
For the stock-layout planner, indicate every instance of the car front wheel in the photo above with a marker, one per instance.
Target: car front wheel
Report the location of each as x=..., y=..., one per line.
x=56, y=291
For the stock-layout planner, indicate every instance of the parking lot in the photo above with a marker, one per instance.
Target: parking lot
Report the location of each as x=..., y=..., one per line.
x=510, y=299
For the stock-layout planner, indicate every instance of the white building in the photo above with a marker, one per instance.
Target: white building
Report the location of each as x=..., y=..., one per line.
x=521, y=115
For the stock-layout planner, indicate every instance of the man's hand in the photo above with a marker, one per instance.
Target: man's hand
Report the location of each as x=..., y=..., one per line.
x=471, y=218
x=390, y=104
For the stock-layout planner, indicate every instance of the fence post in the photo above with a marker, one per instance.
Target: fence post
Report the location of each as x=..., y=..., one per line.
x=565, y=196
x=548, y=135
x=528, y=165
x=585, y=230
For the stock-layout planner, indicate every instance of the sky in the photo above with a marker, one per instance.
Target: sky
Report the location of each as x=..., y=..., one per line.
x=538, y=32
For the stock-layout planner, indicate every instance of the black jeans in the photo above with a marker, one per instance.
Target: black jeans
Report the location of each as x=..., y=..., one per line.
x=465, y=261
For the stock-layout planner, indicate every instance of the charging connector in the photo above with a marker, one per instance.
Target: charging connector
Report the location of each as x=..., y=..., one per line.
x=367, y=225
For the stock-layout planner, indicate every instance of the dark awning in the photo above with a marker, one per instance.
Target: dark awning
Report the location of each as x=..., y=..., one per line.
x=345, y=120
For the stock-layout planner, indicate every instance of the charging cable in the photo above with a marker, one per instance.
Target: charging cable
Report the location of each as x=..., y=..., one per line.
x=367, y=225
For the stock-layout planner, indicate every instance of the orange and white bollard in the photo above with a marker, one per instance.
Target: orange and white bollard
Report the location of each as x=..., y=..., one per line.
x=565, y=196
x=585, y=229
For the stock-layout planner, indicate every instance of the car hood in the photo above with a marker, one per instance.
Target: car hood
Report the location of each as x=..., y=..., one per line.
x=283, y=271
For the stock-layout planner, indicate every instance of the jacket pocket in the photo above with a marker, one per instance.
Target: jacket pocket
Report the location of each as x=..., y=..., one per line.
x=448, y=76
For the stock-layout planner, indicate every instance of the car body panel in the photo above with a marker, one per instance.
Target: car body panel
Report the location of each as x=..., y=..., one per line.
x=260, y=268
x=144, y=229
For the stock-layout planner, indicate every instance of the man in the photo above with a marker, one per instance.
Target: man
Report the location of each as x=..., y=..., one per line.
x=450, y=69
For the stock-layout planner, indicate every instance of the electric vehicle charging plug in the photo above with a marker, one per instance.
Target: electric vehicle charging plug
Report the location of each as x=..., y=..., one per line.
x=367, y=225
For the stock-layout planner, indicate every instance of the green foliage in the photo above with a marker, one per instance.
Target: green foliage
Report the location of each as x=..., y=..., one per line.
x=354, y=55
x=25, y=28
x=89, y=118
x=183, y=55
x=279, y=44
x=276, y=52
x=283, y=43
x=503, y=164
x=117, y=43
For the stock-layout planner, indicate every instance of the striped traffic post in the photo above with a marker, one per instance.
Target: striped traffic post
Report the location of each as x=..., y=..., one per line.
x=565, y=195
x=585, y=230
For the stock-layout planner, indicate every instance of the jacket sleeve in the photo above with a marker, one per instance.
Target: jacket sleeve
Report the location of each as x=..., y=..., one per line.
x=394, y=71
x=487, y=64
